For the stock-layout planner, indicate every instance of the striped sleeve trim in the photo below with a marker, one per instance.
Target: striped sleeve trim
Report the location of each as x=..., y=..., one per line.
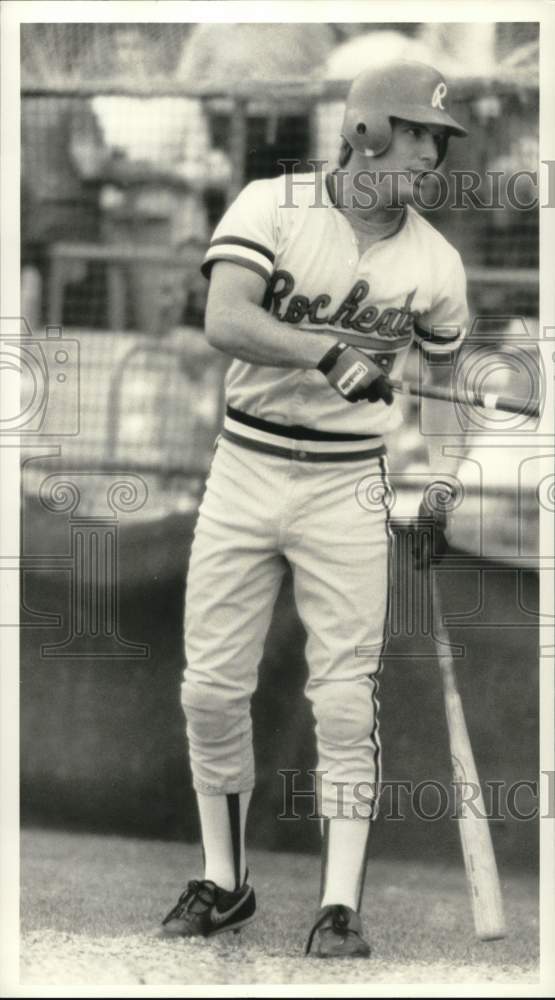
x=253, y=255
x=241, y=242
x=206, y=267
x=434, y=341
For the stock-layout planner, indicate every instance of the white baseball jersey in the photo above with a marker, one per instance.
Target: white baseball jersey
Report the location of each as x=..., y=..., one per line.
x=409, y=286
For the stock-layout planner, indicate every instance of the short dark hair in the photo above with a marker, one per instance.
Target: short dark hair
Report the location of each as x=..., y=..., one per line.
x=344, y=155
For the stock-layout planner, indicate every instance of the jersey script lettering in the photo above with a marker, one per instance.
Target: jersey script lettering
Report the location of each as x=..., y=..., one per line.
x=353, y=313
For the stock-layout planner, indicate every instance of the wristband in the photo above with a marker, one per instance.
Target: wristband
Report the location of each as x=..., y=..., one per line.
x=326, y=363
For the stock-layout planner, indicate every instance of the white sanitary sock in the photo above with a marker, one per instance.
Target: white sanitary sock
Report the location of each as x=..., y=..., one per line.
x=344, y=861
x=223, y=819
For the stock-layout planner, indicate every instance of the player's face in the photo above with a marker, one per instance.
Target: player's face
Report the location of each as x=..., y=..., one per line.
x=414, y=148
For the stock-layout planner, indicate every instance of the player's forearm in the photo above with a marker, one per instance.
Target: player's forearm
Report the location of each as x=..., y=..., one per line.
x=251, y=334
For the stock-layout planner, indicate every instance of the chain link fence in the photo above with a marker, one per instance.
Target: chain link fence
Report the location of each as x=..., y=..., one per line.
x=127, y=165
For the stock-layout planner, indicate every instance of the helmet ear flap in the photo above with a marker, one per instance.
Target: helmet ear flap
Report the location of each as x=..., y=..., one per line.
x=369, y=132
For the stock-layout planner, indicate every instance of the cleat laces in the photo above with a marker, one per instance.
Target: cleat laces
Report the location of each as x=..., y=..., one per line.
x=339, y=922
x=198, y=891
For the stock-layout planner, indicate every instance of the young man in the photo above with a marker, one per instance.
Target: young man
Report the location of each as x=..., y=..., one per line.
x=317, y=295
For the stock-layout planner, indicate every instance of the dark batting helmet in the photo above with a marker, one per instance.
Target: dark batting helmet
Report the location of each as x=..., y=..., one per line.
x=408, y=90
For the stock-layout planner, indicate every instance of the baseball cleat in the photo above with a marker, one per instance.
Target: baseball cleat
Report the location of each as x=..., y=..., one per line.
x=339, y=930
x=204, y=909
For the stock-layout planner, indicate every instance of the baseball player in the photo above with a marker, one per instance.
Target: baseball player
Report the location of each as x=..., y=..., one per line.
x=317, y=298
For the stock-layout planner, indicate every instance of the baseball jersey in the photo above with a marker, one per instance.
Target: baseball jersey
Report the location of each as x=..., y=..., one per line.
x=409, y=286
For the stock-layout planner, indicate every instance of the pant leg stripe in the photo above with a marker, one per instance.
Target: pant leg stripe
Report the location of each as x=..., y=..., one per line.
x=375, y=736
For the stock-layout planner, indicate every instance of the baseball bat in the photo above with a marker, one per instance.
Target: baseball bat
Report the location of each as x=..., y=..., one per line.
x=477, y=848
x=486, y=400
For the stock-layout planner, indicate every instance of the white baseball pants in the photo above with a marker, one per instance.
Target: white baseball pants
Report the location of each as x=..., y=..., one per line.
x=328, y=519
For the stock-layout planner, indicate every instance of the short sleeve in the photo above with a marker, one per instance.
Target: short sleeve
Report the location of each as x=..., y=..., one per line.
x=443, y=327
x=247, y=233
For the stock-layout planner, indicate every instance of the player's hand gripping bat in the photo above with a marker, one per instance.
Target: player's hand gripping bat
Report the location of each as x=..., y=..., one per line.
x=477, y=847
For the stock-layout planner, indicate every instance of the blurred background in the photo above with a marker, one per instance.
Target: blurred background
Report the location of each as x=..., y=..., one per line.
x=135, y=137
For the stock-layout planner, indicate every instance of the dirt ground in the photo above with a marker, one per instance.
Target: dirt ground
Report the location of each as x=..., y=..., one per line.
x=91, y=908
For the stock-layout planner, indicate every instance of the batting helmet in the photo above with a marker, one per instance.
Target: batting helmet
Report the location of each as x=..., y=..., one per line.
x=408, y=90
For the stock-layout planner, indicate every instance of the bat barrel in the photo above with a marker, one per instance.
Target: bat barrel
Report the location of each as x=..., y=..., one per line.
x=530, y=407
x=487, y=400
x=477, y=848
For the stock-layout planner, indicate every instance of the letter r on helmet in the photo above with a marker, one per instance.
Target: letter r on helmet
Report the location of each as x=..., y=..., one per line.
x=437, y=97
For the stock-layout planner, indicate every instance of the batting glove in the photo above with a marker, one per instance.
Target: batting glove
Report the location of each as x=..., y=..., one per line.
x=430, y=527
x=354, y=376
